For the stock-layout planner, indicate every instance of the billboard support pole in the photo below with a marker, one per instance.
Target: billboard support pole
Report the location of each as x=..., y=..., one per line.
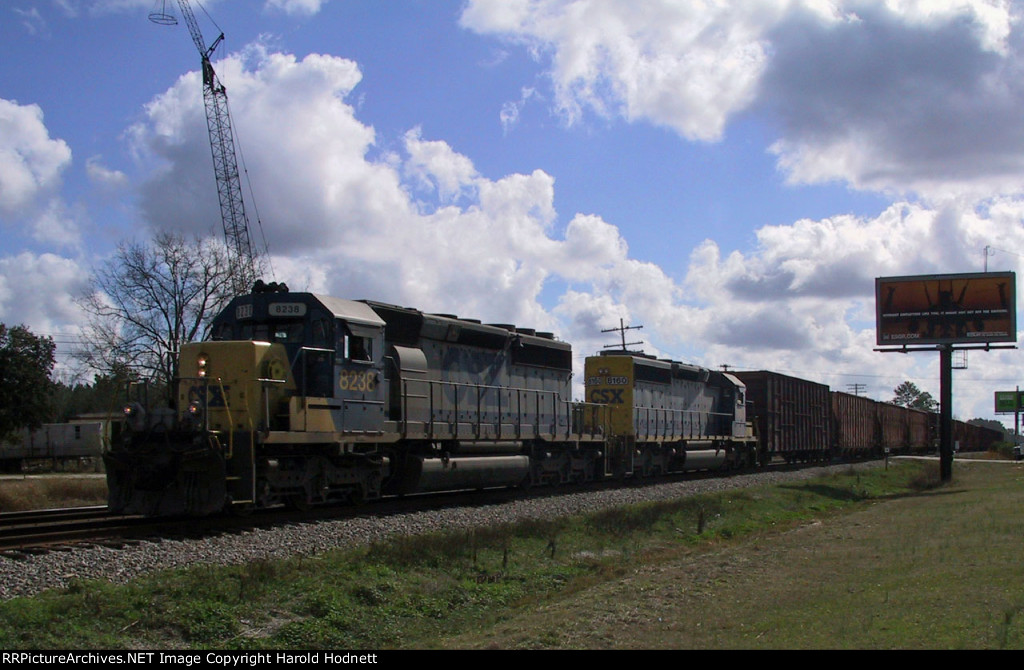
x=946, y=412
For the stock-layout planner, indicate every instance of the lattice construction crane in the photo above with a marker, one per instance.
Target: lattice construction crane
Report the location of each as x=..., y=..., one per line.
x=246, y=262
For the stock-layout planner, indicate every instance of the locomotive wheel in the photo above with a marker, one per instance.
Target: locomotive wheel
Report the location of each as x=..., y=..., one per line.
x=241, y=510
x=357, y=495
x=298, y=502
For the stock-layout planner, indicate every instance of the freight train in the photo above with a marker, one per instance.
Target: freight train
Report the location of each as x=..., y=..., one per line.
x=300, y=399
x=799, y=420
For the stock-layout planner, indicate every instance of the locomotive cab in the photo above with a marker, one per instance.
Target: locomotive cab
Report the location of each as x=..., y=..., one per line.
x=329, y=372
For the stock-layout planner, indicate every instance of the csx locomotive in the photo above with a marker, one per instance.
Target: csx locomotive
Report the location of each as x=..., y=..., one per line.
x=300, y=399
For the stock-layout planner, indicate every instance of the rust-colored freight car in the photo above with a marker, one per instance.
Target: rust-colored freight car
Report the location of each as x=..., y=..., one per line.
x=985, y=438
x=921, y=431
x=791, y=415
x=854, y=425
x=969, y=437
x=892, y=425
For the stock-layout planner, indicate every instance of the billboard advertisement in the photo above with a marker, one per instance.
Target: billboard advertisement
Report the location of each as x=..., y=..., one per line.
x=1009, y=401
x=977, y=308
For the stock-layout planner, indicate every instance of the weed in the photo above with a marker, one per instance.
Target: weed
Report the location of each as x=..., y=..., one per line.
x=928, y=478
x=204, y=622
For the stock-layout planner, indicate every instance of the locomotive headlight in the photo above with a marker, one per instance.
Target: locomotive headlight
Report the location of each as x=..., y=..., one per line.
x=201, y=363
x=194, y=415
x=135, y=416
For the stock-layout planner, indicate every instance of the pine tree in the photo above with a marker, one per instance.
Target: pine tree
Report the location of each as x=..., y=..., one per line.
x=908, y=395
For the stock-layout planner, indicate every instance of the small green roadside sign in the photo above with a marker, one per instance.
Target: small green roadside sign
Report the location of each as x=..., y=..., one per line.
x=1009, y=401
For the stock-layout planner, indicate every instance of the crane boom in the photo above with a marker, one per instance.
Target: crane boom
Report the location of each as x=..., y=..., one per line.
x=245, y=262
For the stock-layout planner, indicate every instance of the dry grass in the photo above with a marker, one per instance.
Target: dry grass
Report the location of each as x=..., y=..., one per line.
x=28, y=492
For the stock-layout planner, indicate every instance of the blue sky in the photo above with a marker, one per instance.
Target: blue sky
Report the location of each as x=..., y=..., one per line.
x=732, y=176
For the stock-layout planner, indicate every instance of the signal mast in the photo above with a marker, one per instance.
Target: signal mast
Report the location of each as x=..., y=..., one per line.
x=245, y=263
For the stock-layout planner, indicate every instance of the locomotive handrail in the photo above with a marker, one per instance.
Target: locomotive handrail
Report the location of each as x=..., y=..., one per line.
x=667, y=418
x=600, y=427
x=264, y=385
x=517, y=409
x=227, y=408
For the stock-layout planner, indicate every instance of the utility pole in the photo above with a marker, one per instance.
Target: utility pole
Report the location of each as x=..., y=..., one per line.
x=622, y=331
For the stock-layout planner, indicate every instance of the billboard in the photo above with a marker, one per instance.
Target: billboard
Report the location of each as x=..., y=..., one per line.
x=946, y=309
x=1009, y=401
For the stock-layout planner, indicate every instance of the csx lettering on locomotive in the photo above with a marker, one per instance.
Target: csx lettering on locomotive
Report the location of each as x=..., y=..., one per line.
x=606, y=396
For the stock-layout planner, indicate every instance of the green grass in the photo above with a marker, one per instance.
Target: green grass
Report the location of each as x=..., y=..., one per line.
x=872, y=558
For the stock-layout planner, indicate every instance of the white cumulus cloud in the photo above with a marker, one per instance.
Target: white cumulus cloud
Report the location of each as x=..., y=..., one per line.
x=902, y=96
x=31, y=162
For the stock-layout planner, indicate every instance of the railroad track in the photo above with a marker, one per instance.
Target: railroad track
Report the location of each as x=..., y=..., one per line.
x=35, y=516
x=34, y=532
x=37, y=531
x=24, y=534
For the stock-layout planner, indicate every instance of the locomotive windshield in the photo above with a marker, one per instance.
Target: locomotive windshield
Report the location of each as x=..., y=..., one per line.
x=285, y=333
x=315, y=332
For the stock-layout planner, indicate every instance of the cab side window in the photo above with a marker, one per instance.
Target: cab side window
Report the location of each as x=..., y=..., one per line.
x=356, y=343
x=358, y=348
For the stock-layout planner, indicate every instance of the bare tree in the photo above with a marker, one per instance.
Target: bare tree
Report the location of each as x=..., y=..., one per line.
x=149, y=300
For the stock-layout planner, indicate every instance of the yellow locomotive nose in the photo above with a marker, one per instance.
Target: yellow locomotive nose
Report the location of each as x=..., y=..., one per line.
x=224, y=384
